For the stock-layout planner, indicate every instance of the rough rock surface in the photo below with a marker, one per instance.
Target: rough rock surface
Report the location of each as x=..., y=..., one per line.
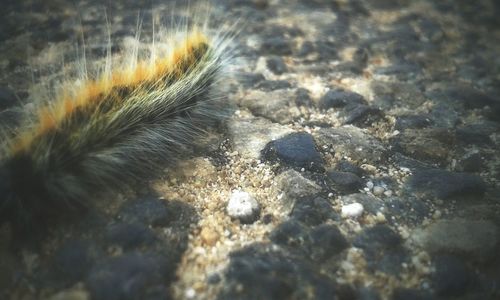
x=390, y=104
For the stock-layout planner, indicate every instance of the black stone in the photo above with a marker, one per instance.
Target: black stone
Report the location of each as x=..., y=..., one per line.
x=340, y=98
x=476, y=134
x=296, y=150
x=276, y=45
x=346, y=166
x=147, y=210
x=250, y=79
x=412, y=121
x=326, y=241
x=276, y=64
x=129, y=236
x=271, y=85
x=445, y=184
x=410, y=294
x=290, y=233
x=451, y=277
x=302, y=98
x=72, y=261
x=313, y=211
x=345, y=181
x=410, y=210
x=377, y=237
x=130, y=276
x=362, y=115
x=366, y=293
x=472, y=98
x=259, y=272
x=472, y=163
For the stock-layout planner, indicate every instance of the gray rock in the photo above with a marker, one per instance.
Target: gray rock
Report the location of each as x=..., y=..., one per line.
x=250, y=135
x=432, y=145
x=474, y=239
x=292, y=186
x=274, y=105
x=351, y=141
x=445, y=184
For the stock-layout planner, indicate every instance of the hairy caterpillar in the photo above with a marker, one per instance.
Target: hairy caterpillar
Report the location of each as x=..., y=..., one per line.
x=112, y=130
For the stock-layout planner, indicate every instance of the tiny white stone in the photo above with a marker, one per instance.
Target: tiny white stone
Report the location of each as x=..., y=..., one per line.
x=352, y=210
x=242, y=206
x=378, y=190
x=388, y=193
x=190, y=293
x=369, y=185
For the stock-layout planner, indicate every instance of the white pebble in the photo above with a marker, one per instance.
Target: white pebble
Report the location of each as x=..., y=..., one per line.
x=388, y=193
x=378, y=190
x=190, y=293
x=369, y=185
x=352, y=210
x=242, y=206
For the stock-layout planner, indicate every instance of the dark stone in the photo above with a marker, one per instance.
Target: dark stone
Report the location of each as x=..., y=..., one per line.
x=214, y=279
x=276, y=64
x=410, y=294
x=444, y=115
x=382, y=248
x=472, y=163
x=259, y=272
x=451, y=277
x=147, y=210
x=305, y=49
x=296, y=150
x=271, y=85
x=72, y=261
x=366, y=293
x=400, y=70
x=432, y=145
x=276, y=45
x=250, y=79
x=410, y=211
x=326, y=241
x=313, y=211
x=345, y=181
x=403, y=161
x=472, y=98
x=412, y=121
x=267, y=219
x=340, y=98
x=476, y=134
x=7, y=98
x=362, y=115
x=377, y=237
x=290, y=233
x=130, y=276
x=129, y=236
x=445, y=184
x=302, y=98
x=346, y=166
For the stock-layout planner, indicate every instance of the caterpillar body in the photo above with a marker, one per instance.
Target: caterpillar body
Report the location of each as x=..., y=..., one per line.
x=112, y=130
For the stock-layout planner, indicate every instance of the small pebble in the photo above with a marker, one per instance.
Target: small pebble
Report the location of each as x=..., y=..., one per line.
x=243, y=206
x=369, y=185
x=378, y=190
x=388, y=193
x=209, y=236
x=352, y=210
